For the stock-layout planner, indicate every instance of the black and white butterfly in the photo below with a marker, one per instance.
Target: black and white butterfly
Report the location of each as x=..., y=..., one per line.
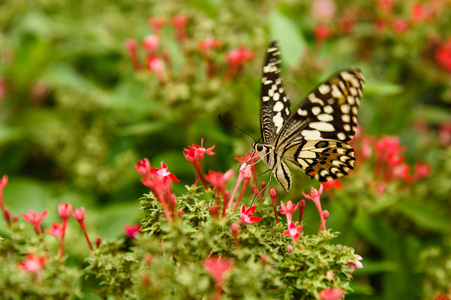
x=314, y=135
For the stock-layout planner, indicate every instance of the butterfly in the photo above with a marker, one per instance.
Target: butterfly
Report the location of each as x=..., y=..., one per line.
x=314, y=136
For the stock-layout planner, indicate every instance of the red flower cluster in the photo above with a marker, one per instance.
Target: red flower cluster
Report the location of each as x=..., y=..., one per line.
x=160, y=181
x=195, y=155
x=443, y=55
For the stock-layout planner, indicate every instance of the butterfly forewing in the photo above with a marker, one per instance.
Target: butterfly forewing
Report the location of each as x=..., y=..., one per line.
x=275, y=106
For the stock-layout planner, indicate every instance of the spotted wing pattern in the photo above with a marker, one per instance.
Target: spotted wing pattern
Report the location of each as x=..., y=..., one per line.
x=314, y=135
x=275, y=106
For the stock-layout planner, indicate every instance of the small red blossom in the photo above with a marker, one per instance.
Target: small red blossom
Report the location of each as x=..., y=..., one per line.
x=293, y=231
x=418, y=13
x=64, y=210
x=314, y=195
x=132, y=230
x=331, y=294
x=79, y=214
x=443, y=55
x=34, y=219
x=288, y=210
x=132, y=49
x=163, y=172
x=208, y=44
x=151, y=44
x=333, y=184
x=3, y=182
x=156, y=65
x=246, y=216
x=156, y=24
x=179, y=23
x=235, y=59
x=56, y=230
x=5, y=211
x=218, y=268
x=380, y=25
x=195, y=155
x=356, y=264
x=400, y=26
x=422, y=170
x=143, y=167
x=33, y=263
x=322, y=32
x=273, y=195
x=386, y=5
x=445, y=134
x=218, y=180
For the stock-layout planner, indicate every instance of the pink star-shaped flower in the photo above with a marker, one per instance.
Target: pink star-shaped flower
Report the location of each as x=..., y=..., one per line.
x=246, y=215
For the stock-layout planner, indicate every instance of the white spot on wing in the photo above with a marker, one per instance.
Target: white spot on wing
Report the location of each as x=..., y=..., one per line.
x=302, y=112
x=322, y=126
x=325, y=117
x=316, y=110
x=265, y=98
x=311, y=134
x=346, y=118
x=341, y=136
x=336, y=92
x=314, y=99
x=345, y=108
x=324, y=89
x=276, y=97
x=328, y=109
x=278, y=106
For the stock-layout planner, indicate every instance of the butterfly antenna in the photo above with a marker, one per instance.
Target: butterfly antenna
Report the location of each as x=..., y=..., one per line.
x=236, y=127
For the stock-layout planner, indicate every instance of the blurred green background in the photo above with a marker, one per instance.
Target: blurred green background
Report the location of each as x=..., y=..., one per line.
x=75, y=115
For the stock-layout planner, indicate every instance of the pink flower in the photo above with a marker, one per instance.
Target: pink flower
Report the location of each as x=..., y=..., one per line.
x=245, y=173
x=322, y=32
x=323, y=10
x=418, y=13
x=333, y=184
x=443, y=55
x=314, y=195
x=195, y=155
x=131, y=231
x=79, y=214
x=288, y=210
x=239, y=56
x=400, y=26
x=33, y=263
x=3, y=182
x=208, y=44
x=156, y=24
x=246, y=216
x=293, y=231
x=5, y=211
x=56, y=230
x=218, y=180
x=64, y=210
x=143, y=167
x=386, y=5
x=445, y=129
x=34, y=219
x=401, y=171
x=179, y=23
x=132, y=49
x=163, y=172
x=422, y=170
x=218, y=268
x=331, y=294
x=151, y=44
x=356, y=264
x=156, y=65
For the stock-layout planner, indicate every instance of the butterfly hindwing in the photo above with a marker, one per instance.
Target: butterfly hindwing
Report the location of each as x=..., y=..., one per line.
x=321, y=159
x=275, y=106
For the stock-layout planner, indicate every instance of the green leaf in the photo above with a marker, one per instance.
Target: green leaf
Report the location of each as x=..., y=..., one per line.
x=425, y=216
x=383, y=88
x=290, y=38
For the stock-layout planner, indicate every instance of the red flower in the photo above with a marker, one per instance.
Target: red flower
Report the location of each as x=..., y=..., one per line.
x=443, y=55
x=288, y=210
x=239, y=56
x=132, y=49
x=444, y=131
x=3, y=182
x=356, y=264
x=208, y=44
x=151, y=43
x=331, y=294
x=323, y=9
x=322, y=32
x=163, y=172
x=418, y=13
x=56, y=230
x=156, y=65
x=422, y=170
x=218, y=268
x=34, y=219
x=143, y=167
x=131, y=231
x=331, y=184
x=246, y=216
x=33, y=264
x=195, y=155
x=64, y=210
x=5, y=211
x=380, y=25
x=79, y=214
x=400, y=26
x=179, y=22
x=218, y=180
x=314, y=195
x=156, y=24
x=293, y=231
